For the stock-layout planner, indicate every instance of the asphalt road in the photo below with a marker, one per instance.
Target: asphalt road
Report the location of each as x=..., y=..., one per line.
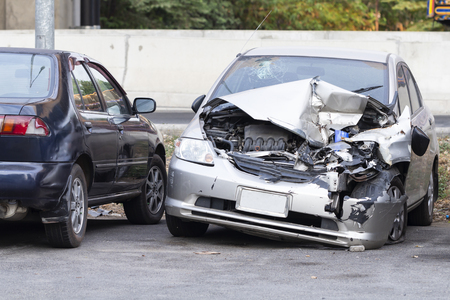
x=118, y=260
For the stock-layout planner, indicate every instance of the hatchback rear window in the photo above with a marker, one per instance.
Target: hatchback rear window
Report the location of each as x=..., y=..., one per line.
x=25, y=75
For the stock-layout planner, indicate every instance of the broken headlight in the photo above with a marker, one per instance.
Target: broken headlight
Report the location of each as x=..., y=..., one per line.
x=368, y=166
x=366, y=148
x=197, y=151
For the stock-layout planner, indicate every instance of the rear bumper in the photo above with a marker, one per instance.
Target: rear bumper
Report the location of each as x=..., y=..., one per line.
x=34, y=185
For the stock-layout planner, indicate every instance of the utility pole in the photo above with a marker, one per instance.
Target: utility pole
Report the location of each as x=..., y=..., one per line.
x=45, y=24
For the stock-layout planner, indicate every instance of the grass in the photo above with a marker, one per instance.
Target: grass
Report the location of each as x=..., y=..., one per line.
x=443, y=182
x=444, y=168
x=444, y=145
x=442, y=205
x=170, y=147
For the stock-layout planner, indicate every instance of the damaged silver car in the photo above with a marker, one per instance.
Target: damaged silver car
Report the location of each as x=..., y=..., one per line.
x=326, y=145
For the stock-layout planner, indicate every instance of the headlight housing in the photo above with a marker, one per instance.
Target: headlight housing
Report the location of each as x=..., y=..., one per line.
x=369, y=165
x=197, y=151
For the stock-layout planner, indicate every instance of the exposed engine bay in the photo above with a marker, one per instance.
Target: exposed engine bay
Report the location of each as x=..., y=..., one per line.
x=265, y=144
x=265, y=135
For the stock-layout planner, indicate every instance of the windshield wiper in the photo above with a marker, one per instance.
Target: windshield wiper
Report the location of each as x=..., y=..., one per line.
x=31, y=71
x=32, y=81
x=366, y=89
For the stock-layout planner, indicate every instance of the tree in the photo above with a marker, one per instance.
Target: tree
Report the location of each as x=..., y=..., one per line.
x=118, y=14
x=285, y=14
x=399, y=14
x=306, y=15
x=168, y=14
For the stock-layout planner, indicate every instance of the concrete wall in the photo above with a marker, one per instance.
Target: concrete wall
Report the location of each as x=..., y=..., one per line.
x=176, y=66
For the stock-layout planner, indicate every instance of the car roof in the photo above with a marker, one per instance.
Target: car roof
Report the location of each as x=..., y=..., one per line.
x=29, y=50
x=79, y=56
x=342, y=53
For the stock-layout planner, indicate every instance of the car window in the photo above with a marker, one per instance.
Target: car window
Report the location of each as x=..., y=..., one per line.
x=403, y=94
x=87, y=89
x=115, y=101
x=261, y=71
x=25, y=76
x=412, y=89
x=77, y=94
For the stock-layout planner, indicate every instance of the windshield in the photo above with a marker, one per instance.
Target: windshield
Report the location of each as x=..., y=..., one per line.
x=25, y=75
x=251, y=72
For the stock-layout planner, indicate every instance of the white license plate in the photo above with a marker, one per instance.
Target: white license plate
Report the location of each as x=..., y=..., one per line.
x=263, y=202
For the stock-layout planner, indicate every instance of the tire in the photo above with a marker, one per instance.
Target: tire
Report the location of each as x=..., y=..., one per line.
x=148, y=207
x=423, y=214
x=70, y=233
x=398, y=231
x=178, y=227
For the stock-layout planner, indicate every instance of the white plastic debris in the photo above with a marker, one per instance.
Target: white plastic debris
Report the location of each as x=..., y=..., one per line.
x=358, y=248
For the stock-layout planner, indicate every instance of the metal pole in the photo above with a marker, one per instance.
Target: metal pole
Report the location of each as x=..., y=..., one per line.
x=45, y=24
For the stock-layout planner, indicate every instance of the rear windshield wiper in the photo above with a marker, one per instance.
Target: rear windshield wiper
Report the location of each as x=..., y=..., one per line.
x=366, y=89
x=31, y=71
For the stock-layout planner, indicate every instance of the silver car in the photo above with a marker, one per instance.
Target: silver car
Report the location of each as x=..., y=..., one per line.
x=333, y=146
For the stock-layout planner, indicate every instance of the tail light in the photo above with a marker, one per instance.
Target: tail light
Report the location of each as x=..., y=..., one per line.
x=23, y=125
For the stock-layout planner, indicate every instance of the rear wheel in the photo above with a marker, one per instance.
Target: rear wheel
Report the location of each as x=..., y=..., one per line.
x=148, y=207
x=70, y=233
x=178, y=227
x=423, y=214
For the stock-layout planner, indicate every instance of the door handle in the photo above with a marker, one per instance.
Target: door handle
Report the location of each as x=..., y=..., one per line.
x=120, y=129
x=88, y=126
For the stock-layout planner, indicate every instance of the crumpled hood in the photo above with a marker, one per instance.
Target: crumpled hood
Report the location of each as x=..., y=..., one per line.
x=309, y=108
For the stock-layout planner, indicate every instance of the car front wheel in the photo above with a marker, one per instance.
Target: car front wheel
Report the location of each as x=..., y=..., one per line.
x=148, y=207
x=70, y=233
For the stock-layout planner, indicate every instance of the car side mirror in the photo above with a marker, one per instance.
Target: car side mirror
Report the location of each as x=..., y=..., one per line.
x=144, y=105
x=197, y=102
x=419, y=141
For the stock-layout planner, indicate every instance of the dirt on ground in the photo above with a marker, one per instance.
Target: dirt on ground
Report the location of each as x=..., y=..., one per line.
x=442, y=205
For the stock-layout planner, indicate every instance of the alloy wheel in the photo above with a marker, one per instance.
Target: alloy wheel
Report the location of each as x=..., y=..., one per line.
x=155, y=190
x=399, y=222
x=77, y=205
x=430, y=194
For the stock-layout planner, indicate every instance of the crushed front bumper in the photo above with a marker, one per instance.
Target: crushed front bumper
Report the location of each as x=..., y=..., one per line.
x=210, y=194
